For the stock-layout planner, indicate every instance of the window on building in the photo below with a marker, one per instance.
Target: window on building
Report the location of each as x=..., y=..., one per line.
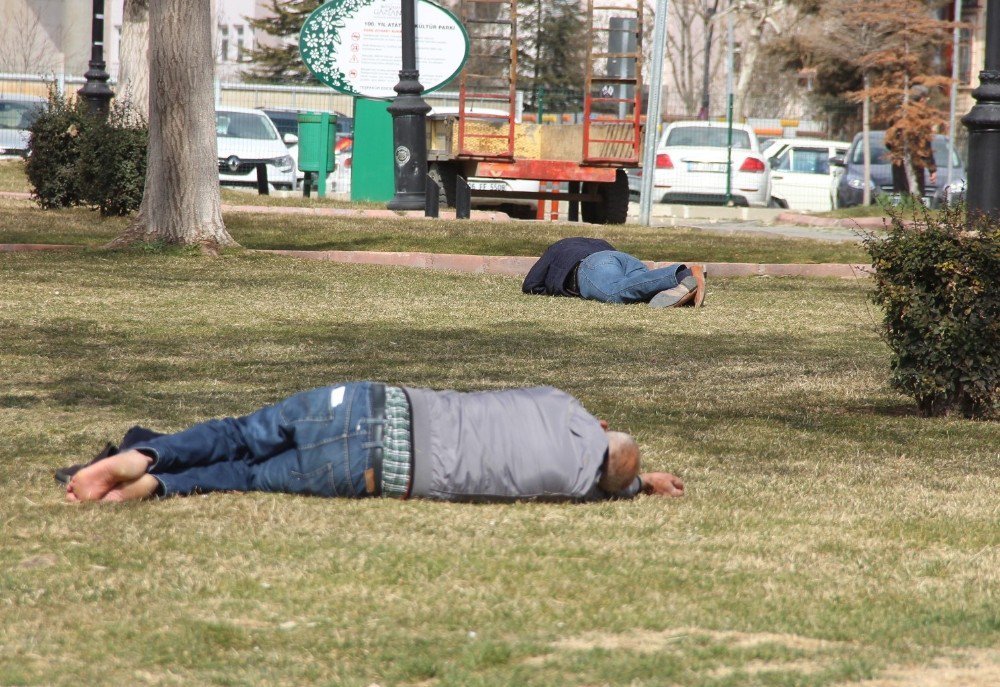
x=223, y=43
x=240, y=45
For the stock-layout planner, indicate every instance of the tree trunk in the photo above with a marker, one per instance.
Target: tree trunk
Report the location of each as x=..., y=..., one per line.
x=133, y=74
x=181, y=204
x=748, y=61
x=911, y=177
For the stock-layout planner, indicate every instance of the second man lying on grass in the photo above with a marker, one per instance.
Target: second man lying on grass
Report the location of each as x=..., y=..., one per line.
x=594, y=270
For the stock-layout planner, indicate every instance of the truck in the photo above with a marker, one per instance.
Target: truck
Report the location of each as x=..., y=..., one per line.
x=583, y=164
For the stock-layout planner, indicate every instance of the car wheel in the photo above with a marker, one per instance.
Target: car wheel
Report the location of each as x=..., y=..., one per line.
x=612, y=208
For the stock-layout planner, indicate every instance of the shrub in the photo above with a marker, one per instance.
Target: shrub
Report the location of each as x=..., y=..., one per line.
x=113, y=161
x=55, y=140
x=80, y=159
x=938, y=281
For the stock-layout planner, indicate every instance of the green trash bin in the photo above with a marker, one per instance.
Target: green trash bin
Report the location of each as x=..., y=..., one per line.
x=317, y=141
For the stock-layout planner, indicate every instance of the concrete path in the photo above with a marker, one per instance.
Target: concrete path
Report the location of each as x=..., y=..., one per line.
x=773, y=222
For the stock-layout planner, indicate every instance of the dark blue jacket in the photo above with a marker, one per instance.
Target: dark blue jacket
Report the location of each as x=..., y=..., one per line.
x=548, y=275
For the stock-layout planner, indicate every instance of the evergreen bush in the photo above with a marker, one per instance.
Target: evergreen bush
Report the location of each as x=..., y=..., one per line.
x=55, y=151
x=938, y=281
x=80, y=159
x=113, y=161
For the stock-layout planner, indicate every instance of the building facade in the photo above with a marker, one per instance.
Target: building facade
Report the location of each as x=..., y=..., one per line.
x=53, y=37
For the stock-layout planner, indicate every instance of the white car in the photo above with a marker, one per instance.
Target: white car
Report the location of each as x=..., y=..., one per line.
x=246, y=137
x=17, y=114
x=692, y=161
x=801, y=174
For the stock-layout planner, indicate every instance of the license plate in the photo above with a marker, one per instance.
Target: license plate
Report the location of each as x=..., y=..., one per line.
x=488, y=185
x=706, y=166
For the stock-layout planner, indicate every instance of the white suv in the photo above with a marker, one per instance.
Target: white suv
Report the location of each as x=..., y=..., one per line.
x=246, y=137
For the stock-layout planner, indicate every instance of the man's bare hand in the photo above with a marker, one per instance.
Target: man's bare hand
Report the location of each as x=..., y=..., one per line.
x=661, y=484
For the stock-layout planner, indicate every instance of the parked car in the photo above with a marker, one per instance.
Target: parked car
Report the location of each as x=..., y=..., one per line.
x=17, y=114
x=691, y=166
x=850, y=187
x=247, y=137
x=801, y=173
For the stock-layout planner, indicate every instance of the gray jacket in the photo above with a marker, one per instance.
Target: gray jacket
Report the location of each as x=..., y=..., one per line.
x=536, y=443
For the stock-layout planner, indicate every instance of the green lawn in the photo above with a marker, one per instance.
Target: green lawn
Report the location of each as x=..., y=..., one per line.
x=829, y=535
x=21, y=221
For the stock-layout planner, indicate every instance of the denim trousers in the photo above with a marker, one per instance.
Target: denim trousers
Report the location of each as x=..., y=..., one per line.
x=314, y=443
x=615, y=277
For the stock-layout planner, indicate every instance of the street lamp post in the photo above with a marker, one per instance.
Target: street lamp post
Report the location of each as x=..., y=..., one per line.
x=96, y=92
x=983, y=123
x=409, y=113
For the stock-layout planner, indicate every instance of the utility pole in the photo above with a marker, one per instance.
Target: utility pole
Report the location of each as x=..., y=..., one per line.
x=409, y=121
x=96, y=92
x=652, y=132
x=955, y=44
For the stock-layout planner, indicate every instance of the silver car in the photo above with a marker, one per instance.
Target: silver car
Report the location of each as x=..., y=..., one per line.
x=17, y=114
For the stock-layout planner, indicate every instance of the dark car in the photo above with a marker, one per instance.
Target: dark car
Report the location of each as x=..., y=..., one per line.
x=287, y=121
x=850, y=187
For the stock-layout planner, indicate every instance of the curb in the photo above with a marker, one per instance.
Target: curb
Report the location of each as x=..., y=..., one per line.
x=844, y=222
x=482, y=215
x=32, y=247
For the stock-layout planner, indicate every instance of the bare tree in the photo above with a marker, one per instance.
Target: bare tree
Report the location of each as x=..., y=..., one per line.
x=758, y=21
x=689, y=51
x=25, y=44
x=882, y=53
x=180, y=203
x=133, y=74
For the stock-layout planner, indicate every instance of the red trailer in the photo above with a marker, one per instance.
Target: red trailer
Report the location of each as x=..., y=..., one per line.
x=482, y=139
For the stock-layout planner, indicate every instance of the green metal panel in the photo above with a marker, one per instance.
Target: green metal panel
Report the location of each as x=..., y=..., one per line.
x=371, y=164
x=317, y=137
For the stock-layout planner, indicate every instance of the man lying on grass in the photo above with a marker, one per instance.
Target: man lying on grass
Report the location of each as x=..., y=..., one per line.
x=369, y=439
x=592, y=269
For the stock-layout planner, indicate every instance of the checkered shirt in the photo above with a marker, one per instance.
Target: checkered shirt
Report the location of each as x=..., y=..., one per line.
x=397, y=444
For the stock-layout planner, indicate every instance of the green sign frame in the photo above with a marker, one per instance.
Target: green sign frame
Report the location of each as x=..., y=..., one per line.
x=355, y=46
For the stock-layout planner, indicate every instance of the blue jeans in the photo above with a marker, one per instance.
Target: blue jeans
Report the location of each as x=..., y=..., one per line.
x=615, y=277
x=315, y=442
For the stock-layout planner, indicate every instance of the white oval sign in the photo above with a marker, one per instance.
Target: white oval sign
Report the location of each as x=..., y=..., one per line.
x=355, y=46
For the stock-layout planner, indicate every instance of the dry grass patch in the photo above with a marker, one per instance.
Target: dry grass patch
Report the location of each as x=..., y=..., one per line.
x=963, y=669
x=828, y=531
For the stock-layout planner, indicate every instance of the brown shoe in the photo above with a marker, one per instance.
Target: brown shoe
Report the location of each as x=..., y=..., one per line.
x=699, y=272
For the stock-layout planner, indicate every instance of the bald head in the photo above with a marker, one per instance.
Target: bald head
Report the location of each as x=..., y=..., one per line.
x=623, y=462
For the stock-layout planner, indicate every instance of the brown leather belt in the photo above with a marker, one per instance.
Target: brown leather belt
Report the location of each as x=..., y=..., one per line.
x=376, y=432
